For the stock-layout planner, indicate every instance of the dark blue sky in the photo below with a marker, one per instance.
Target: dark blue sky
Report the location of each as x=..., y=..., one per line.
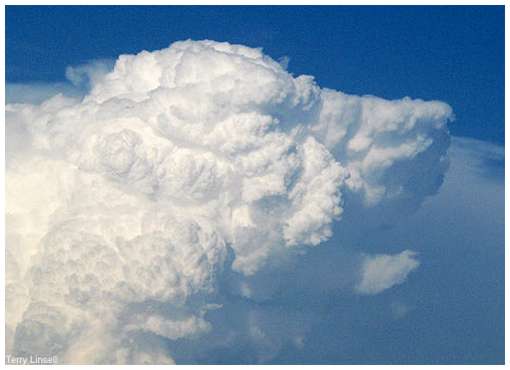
x=454, y=54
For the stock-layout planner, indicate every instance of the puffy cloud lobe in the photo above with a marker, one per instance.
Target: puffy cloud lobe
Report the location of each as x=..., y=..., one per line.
x=179, y=164
x=381, y=272
x=381, y=141
x=86, y=75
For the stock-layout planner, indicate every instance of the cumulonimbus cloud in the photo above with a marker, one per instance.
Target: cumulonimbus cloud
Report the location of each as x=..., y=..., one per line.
x=125, y=208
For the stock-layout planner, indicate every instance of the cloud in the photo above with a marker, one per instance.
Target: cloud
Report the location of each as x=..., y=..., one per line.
x=284, y=61
x=179, y=168
x=87, y=74
x=383, y=271
x=309, y=314
x=79, y=80
x=37, y=92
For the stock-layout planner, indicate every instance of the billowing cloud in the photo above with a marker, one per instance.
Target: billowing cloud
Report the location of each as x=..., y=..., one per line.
x=383, y=271
x=88, y=74
x=80, y=78
x=127, y=208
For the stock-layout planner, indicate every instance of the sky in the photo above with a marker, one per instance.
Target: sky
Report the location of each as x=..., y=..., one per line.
x=418, y=280
x=452, y=54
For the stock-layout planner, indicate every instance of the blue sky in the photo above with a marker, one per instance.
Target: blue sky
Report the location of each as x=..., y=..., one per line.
x=453, y=54
x=451, y=310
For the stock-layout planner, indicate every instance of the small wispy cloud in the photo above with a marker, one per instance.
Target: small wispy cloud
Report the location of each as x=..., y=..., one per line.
x=79, y=80
x=383, y=271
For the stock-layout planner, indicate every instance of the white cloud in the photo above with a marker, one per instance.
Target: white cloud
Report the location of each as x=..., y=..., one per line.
x=302, y=306
x=383, y=271
x=88, y=74
x=79, y=80
x=177, y=166
x=37, y=92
